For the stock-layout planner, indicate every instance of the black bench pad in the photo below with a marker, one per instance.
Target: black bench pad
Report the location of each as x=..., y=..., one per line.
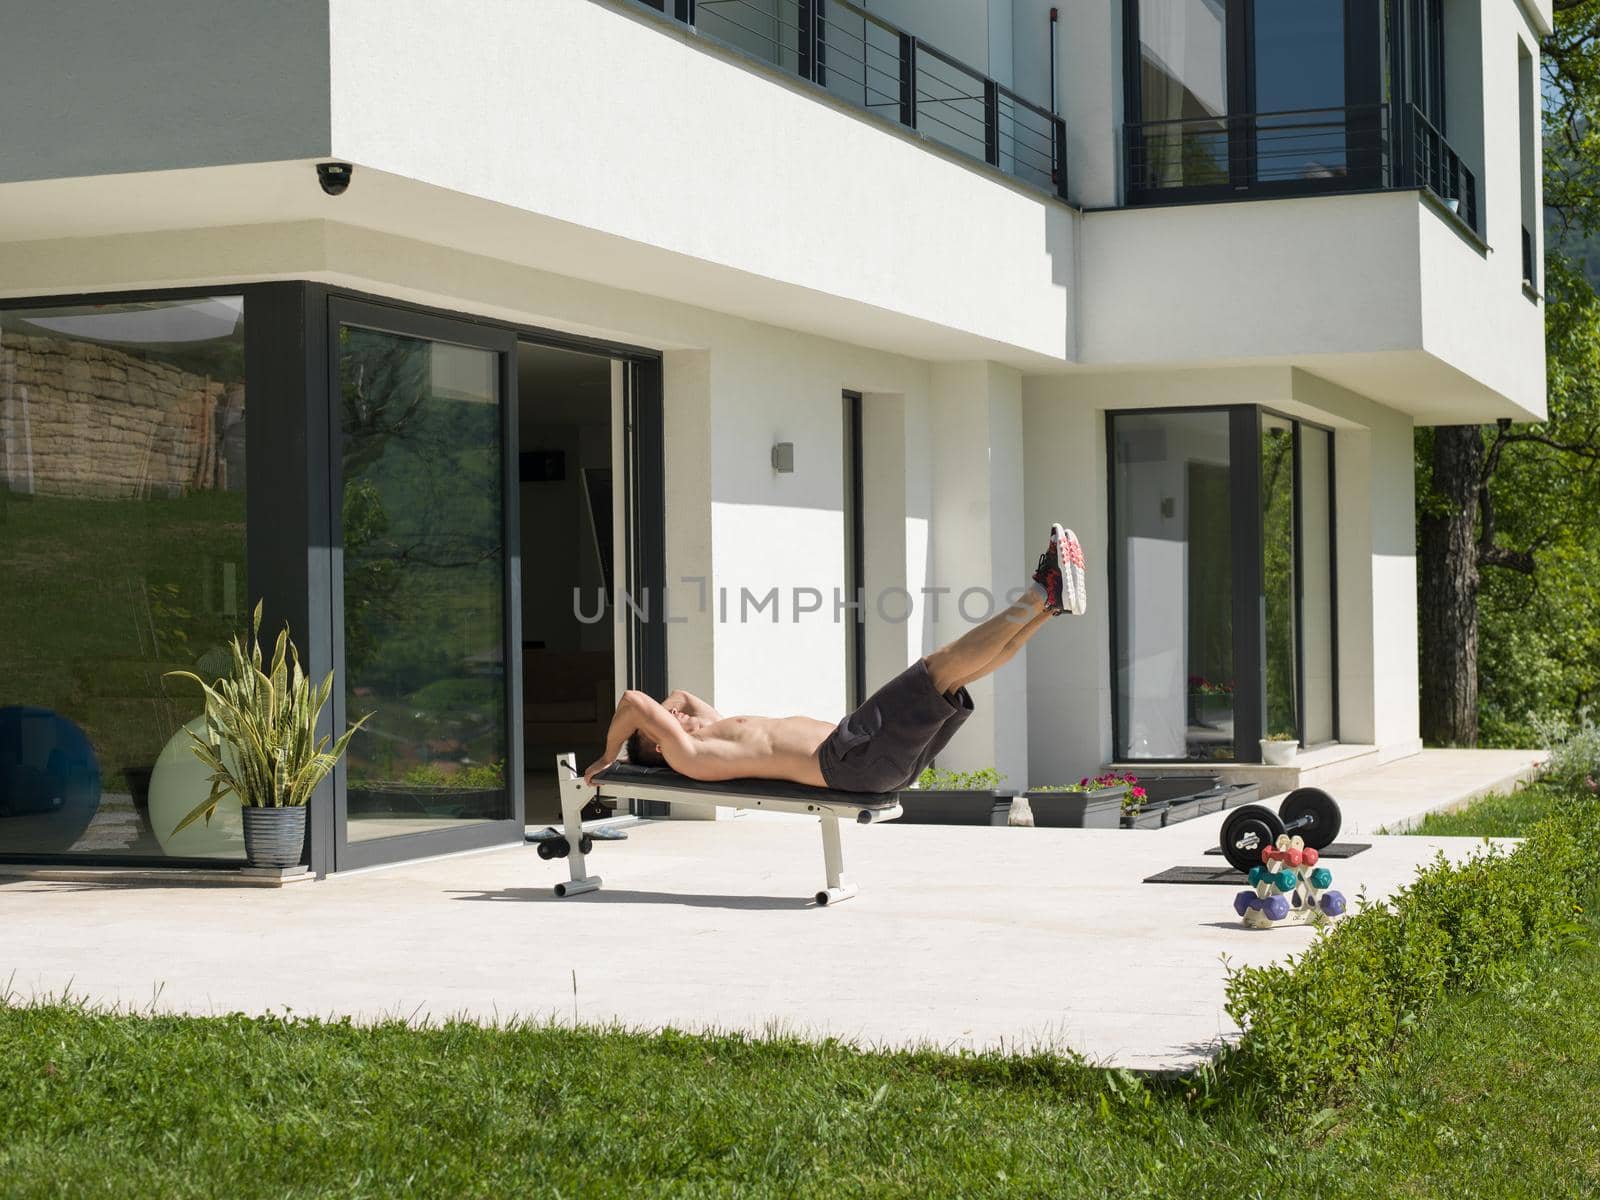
x=773, y=789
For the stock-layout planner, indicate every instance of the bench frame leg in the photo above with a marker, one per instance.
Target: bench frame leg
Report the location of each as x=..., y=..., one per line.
x=839, y=885
x=574, y=795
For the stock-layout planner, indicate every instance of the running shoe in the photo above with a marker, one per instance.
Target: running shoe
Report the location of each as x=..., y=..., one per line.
x=1049, y=576
x=1069, y=561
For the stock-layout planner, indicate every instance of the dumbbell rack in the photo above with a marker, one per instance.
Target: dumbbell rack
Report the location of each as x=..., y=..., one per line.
x=1288, y=888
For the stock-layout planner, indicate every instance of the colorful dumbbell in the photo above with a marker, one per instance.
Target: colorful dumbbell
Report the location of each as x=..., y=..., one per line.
x=1321, y=878
x=1332, y=903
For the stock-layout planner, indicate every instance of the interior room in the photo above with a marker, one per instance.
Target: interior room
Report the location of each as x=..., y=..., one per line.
x=565, y=489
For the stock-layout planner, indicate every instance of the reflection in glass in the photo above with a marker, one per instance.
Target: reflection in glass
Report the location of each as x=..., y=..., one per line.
x=122, y=532
x=1278, y=573
x=423, y=581
x=1299, y=68
x=1316, y=595
x=1174, y=560
x=1183, y=81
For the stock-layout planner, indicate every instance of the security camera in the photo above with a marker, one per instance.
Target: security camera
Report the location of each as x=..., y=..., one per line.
x=334, y=177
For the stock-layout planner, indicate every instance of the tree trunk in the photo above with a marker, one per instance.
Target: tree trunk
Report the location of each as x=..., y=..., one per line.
x=1449, y=592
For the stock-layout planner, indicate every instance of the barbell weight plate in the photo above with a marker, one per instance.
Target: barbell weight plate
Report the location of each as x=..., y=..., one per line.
x=1251, y=820
x=1321, y=808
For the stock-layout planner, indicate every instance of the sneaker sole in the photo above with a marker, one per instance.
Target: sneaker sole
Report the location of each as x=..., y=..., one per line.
x=1069, y=560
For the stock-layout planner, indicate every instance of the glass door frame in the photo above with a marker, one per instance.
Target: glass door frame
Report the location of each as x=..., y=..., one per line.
x=406, y=322
x=1248, y=571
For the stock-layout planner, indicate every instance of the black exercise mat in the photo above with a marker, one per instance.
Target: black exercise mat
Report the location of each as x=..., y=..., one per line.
x=1337, y=850
x=1225, y=875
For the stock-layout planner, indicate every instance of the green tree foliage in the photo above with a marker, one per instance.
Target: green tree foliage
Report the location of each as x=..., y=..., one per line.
x=1539, y=496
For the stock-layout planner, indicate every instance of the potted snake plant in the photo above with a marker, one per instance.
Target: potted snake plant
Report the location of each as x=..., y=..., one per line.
x=259, y=741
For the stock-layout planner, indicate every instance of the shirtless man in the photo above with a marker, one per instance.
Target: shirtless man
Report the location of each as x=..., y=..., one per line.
x=884, y=744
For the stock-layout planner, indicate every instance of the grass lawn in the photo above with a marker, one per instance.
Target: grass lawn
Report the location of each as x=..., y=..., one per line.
x=1500, y=815
x=1492, y=1099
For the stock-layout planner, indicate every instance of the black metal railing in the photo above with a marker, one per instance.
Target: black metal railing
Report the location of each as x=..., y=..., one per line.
x=877, y=66
x=1439, y=168
x=1352, y=148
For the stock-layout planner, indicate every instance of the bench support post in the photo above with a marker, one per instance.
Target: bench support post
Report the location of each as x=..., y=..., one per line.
x=839, y=887
x=574, y=795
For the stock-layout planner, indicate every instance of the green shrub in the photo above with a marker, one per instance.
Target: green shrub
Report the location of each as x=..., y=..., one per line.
x=936, y=779
x=1574, y=752
x=1314, y=1026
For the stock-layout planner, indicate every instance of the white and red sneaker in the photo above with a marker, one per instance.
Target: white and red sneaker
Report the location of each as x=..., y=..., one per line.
x=1069, y=562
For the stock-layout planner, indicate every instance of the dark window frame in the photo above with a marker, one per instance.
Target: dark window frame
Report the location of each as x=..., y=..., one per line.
x=855, y=550
x=290, y=492
x=1248, y=576
x=1363, y=73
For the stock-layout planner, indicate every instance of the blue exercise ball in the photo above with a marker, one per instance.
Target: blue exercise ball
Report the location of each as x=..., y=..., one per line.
x=49, y=781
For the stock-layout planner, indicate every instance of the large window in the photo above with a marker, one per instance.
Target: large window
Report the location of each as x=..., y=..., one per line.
x=122, y=534
x=1173, y=481
x=1254, y=95
x=1223, y=578
x=423, y=583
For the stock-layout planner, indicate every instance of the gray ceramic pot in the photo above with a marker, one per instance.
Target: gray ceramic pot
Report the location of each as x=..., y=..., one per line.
x=274, y=837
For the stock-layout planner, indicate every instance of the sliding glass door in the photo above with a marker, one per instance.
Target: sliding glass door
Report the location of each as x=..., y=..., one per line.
x=421, y=406
x=1173, y=571
x=1223, y=578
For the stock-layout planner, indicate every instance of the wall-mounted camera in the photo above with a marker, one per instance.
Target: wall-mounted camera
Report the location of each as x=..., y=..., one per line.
x=334, y=177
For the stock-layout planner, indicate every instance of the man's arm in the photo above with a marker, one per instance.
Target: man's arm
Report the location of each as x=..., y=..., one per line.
x=690, y=704
x=638, y=713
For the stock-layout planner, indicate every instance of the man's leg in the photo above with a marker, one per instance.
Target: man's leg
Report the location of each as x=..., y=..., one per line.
x=970, y=655
x=1011, y=649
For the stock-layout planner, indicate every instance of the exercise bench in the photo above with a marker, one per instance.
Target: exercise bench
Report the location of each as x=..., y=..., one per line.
x=626, y=781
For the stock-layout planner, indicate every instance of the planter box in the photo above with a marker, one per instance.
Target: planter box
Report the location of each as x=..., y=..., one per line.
x=1182, y=809
x=1152, y=816
x=1235, y=794
x=1099, y=809
x=954, y=807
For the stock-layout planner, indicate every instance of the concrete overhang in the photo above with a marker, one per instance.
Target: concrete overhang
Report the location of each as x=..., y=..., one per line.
x=40, y=219
x=1381, y=293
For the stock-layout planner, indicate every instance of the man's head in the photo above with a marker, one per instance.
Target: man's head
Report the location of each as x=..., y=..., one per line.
x=646, y=751
x=643, y=752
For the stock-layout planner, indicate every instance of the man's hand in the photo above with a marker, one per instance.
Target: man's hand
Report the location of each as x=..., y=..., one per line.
x=598, y=765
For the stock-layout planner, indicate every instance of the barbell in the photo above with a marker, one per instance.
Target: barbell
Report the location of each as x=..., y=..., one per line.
x=1308, y=812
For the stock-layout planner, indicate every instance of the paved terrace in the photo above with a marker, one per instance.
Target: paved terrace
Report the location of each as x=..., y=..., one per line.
x=961, y=937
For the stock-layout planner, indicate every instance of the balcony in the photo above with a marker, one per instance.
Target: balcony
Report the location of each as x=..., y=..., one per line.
x=893, y=75
x=1357, y=148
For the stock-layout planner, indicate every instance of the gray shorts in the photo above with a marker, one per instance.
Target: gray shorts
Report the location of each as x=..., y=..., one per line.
x=885, y=744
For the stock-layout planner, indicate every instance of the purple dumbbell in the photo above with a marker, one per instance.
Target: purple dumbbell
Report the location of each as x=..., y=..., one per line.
x=1241, y=902
x=1332, y=903
x=1276, y=907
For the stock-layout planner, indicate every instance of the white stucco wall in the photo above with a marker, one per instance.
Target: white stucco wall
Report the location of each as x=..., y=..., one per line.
x=696, y=152
x=93, y=89
x=1069, y=678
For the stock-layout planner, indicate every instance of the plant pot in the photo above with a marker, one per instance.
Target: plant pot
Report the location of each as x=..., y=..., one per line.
x=1278, y=754
x=1183, y=809
x=1099, y=809
x=274, y=837
x=929, y=807
x=1153, y=815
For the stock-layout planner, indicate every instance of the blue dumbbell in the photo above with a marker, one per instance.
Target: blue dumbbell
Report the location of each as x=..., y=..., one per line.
x=1276, y=907
x=1321, y=877
x=1256, y=872
x=1332, y=903
x=1241, y=902
x=1285, y=880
